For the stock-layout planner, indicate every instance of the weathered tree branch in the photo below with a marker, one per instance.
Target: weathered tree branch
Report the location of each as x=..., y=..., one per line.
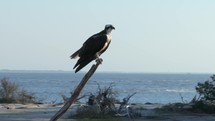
x=77, y=91
x=125, y=101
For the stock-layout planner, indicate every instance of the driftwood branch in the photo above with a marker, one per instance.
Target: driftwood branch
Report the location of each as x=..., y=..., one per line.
x=77, y=91
x=125, y=102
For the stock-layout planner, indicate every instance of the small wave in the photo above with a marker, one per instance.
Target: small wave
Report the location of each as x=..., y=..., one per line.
x=179, y=90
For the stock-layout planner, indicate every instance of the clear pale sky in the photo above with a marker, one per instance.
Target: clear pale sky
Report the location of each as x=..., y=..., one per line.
x=150, y=36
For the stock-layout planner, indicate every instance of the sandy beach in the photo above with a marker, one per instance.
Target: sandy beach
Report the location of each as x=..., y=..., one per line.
x=43, y=112
x=30, y=112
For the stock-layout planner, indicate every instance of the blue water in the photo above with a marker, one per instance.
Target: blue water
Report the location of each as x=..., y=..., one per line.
x=154, y=88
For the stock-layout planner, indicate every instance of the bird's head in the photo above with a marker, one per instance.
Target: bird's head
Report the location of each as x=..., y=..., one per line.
x=109, y=28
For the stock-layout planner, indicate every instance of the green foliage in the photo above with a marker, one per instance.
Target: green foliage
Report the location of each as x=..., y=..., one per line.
x=203, y=107
x=206, y=90
x=11, y=93
x=206, y=102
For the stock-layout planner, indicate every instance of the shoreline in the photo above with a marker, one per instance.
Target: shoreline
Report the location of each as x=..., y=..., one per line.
x=31, y=112
x=43, y=112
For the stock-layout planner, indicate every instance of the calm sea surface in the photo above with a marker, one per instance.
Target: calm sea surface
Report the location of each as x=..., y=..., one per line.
x=154, y=88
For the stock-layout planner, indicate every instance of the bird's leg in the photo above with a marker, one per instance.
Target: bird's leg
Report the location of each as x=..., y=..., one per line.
x=98, y=60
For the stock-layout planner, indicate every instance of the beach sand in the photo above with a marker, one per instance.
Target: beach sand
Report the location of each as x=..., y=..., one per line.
x=30, y=112
x=43, y=112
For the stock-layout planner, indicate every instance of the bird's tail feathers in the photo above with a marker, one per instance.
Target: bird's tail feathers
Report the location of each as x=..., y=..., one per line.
x=75, y=54
x=76, y=65
x=82, y=64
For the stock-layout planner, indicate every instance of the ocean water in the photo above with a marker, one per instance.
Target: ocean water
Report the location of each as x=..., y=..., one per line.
x=149, y=87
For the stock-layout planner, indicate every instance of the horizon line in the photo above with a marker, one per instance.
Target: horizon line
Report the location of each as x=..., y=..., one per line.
x=55, y=71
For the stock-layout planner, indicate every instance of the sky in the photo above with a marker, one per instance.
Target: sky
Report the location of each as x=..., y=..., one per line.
x=168, y=36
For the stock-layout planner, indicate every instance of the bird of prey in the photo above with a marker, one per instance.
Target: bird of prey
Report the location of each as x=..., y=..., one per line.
x=93, y=47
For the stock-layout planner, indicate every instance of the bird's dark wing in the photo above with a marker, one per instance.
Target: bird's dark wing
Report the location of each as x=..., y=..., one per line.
x=89, y=49
x=93, y=45
x=82, y=63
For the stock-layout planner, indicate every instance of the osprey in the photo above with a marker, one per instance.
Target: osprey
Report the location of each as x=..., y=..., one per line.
x=93, y=47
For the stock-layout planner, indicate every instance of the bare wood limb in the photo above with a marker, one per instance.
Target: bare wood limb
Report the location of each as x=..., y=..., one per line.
x=125, y=101
x=76, y=93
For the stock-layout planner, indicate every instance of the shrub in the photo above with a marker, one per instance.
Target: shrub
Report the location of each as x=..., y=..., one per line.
x=7, y=91
x=206, y=90
x=206, y=101
x=93, y=112
x=101, y=106
x=11, y=93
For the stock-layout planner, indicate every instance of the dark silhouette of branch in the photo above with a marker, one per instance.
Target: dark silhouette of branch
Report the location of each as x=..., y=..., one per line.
x=125, y=101
x=77, y=91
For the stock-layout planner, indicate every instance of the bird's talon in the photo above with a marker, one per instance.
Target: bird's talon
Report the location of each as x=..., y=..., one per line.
x=99, y=60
